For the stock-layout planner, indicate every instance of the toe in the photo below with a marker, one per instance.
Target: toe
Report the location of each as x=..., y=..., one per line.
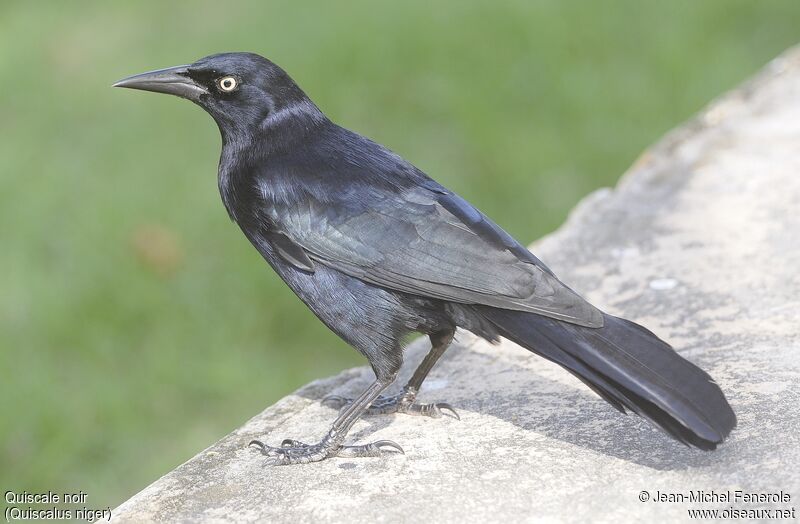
x=276, y=460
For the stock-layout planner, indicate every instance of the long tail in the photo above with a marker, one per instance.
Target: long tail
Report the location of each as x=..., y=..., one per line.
x=631, y=368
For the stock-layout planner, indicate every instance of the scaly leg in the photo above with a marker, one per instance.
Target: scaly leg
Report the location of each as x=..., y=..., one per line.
x=404, y=401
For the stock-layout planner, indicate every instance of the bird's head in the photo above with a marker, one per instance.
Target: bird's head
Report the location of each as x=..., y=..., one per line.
x=244, y=92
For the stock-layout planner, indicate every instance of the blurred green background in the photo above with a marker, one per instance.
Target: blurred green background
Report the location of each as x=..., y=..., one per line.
x=137, y=325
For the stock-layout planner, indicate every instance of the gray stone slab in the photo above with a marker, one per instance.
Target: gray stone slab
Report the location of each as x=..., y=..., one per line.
x=700, y=242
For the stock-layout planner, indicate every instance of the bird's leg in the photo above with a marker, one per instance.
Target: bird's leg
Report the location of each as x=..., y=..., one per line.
x=403, y=402
x=296, y=452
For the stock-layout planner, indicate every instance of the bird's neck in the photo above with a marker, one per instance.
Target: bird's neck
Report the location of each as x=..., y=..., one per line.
x=247, y=150
x=270, y=131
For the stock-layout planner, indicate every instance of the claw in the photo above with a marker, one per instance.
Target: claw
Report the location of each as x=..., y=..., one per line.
x=389, y=444
x=338, y=399
x=445, y=406
x=261, y=445
x=373, y=449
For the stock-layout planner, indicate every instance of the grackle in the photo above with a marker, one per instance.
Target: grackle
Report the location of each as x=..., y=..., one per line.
x=378, y=250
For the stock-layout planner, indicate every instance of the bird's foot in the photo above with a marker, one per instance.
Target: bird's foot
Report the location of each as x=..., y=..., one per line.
x=296, y=452
x=403, y=402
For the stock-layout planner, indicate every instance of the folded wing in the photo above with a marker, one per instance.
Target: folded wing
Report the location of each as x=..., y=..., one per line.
x=428, y=241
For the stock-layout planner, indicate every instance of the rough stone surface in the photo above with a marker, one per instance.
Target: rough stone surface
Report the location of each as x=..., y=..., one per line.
x=700, y=242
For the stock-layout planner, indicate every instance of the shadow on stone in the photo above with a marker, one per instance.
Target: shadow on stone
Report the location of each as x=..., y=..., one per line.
x=573, y=414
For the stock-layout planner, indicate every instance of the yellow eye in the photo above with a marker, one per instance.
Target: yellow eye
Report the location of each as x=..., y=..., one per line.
x=227, y=84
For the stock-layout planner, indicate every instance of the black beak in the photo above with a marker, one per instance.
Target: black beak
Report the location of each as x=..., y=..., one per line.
x=173, y=81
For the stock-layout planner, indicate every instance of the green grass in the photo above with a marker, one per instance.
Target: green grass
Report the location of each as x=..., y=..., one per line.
x=136, y=323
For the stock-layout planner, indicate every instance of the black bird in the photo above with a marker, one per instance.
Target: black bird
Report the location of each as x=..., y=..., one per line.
x=378, y=250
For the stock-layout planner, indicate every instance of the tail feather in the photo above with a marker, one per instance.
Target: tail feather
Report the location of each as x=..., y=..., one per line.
x=630, y=368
